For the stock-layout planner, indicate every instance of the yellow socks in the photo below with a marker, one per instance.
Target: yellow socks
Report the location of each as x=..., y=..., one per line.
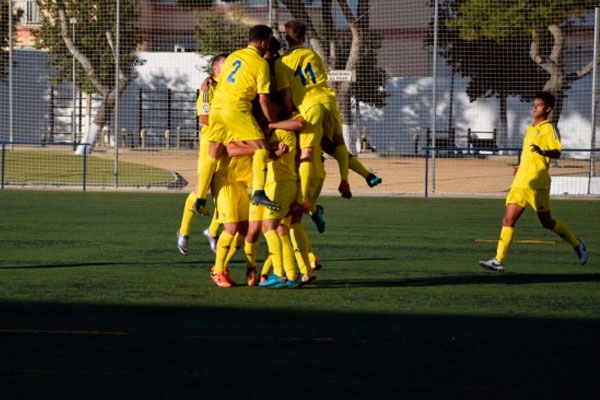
x=207, y=168
x=562, y=230
x=259, y=169
x=223, y=245
x=305, y=172
x=340, y=153
x=275, y=252
x=250, y=250
x=288, y=258
x=188, y=215
x=213, y=228
x=355, y=165
x=506, y=237
x=268, y=265
x=238, y=240
x=300, y=242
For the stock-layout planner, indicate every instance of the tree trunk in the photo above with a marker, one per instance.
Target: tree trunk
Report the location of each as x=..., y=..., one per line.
x=102, y=119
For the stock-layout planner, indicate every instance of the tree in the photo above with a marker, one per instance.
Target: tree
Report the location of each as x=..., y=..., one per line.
x=94, y=49
x=4, y=38
x=496, y=68
x=538, y=22
x=211, y=37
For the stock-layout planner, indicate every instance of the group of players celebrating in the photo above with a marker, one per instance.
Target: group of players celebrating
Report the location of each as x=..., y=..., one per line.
x=267, y=119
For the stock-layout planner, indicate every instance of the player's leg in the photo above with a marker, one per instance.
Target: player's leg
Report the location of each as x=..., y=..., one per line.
x=277, y=279
x=289, y=264
x=512, y=214
x=186, y=224
x=205, y=174
x=251, y=244
x=562, y=230
x=228, y=208
x=212, y=232
x=332, y=125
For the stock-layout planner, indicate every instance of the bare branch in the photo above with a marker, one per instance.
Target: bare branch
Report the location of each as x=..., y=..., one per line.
x=559, y=42
x=109, y=39
x=581, y=72
x=356, y=41
x=79, y=56
x=534, y=53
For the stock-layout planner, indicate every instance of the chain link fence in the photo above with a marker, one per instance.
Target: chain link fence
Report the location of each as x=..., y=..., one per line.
x=434, y=95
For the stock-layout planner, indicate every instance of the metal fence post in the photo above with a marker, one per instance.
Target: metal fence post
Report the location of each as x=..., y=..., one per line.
x=3, y=161
x=592, y=171
x=85, y=166
x=426, y=169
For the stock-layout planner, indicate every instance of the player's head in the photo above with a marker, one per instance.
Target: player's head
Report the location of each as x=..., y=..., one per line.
x=273, y=51
x=260, y=36
x=543, y=103
x=217, y=63
x=295, y=32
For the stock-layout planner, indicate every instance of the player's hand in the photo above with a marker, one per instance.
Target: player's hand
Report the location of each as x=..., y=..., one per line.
x=206, y=83
x=536, y=149
x=344, y=189
x=200, y=208
x=299, y=208
x=282, y=148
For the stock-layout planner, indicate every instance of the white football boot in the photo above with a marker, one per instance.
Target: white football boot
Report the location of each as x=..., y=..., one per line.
x=492, y=265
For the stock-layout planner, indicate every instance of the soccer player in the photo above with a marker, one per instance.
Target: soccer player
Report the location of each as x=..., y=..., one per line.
x=531, y=185
x=202, y=109
x=245, y=75
x=302, y=80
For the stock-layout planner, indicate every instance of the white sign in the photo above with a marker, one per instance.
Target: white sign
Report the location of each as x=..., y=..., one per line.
x=340, y=75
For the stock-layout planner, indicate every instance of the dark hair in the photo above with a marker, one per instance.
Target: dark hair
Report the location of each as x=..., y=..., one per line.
x=547, y=98
x=218, y=58
x=274, y=46
x=259, y=33
x=295, y=29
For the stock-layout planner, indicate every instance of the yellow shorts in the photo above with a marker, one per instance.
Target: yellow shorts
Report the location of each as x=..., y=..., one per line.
x=228, y=126
x=283, y=193
x=538, y=199
x=322, y=119
x=233, y=203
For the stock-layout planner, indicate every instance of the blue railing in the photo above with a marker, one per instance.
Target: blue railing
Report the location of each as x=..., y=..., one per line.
x=83, y=159
x=472, y=150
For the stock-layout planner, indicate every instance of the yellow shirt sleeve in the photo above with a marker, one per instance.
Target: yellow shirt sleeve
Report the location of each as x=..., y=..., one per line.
x=281, y=75
x=203, y=102
x=263, y=79
x=551, y=138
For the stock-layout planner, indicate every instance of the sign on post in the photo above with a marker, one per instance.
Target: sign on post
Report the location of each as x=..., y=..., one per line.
x=341, y=75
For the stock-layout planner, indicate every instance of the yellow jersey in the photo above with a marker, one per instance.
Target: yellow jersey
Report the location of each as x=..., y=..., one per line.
x=302, y=71
x=283, y=168
x=240, y=170
x=245, y=74
x=533, y=168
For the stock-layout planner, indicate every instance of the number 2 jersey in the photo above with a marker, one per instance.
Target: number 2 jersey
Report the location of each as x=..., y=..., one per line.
x=245, y=74
x=302, y=71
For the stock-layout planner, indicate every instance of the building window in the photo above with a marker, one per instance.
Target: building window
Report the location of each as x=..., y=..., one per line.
x=31, y=12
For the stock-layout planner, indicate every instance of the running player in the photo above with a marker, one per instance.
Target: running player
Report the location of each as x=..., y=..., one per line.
x=202, y=109
x=531, y=186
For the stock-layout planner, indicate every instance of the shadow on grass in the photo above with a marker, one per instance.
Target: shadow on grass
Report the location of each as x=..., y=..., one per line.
x=502, y=279
x=114, y=351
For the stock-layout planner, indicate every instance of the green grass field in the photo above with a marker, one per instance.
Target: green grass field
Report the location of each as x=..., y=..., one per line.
x=96, y=302
x=57, y=168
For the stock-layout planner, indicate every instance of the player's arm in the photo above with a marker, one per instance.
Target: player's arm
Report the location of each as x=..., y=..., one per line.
x=294, y=124
x=278, y=150
x=239, y=149
x=546, y=153
x=265, y=105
